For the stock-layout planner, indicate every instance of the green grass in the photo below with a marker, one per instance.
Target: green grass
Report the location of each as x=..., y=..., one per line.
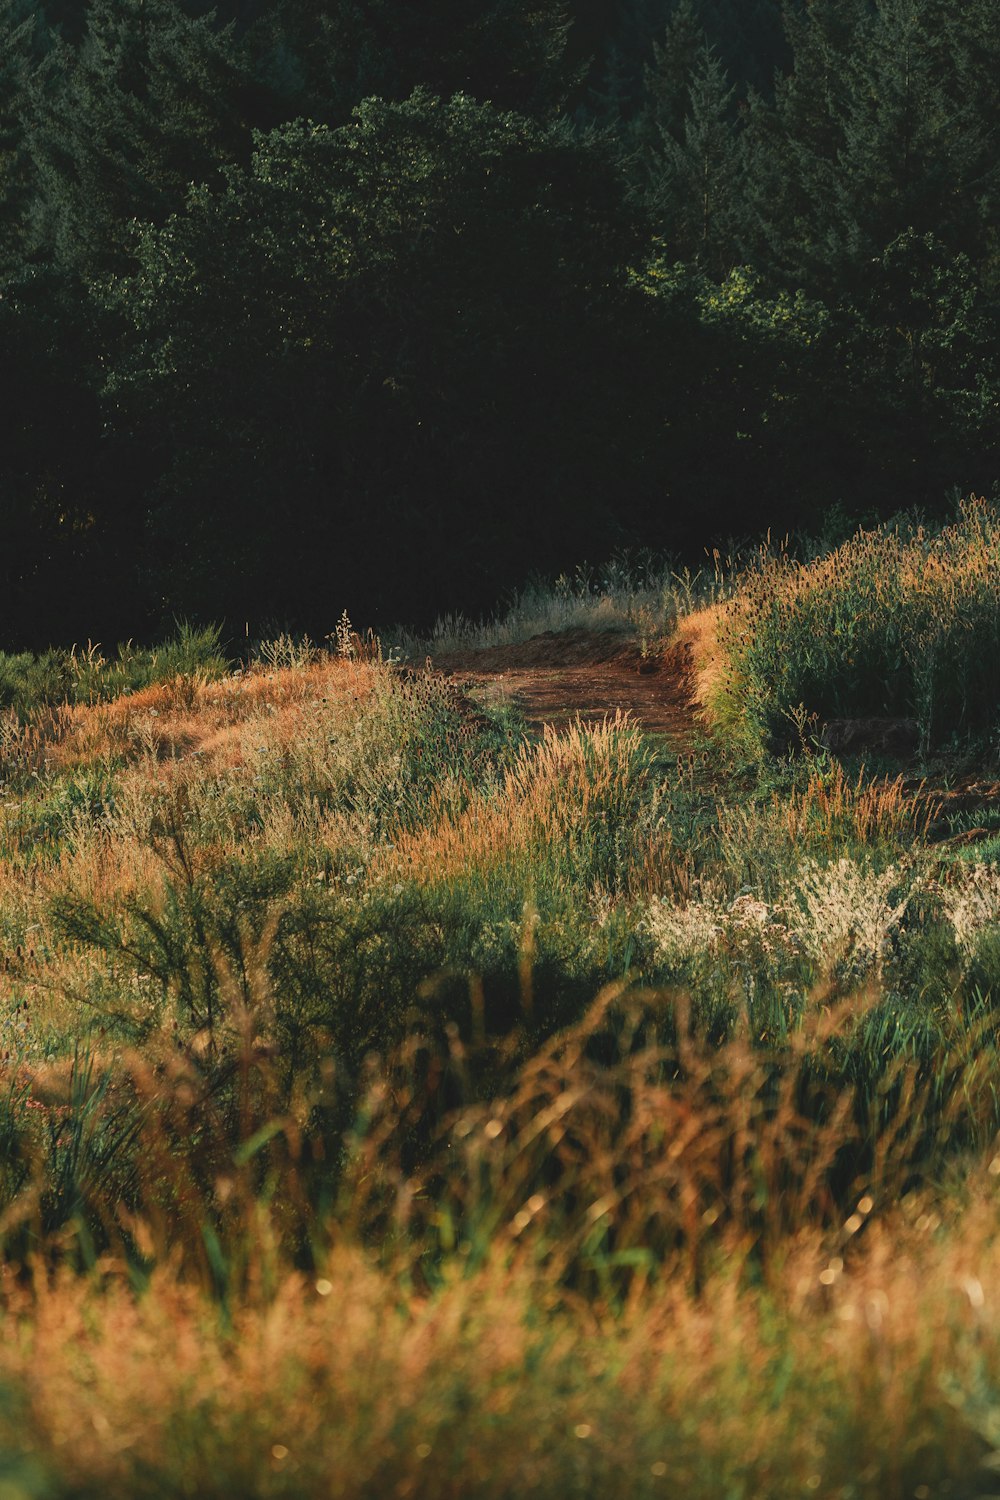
x=360, y=856
x=395, y=1103
x=29, y=682
x=896, y=622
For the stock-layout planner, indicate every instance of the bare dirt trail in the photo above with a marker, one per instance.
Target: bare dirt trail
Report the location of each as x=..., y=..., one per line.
x=555, y=678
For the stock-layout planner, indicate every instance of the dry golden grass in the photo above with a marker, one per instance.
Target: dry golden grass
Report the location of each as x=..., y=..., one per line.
x=552, y=797
x=700, y=631
x=833, y=807
x=891, y=623
x=169, y=750
x=871, y=1370
x=172, y=720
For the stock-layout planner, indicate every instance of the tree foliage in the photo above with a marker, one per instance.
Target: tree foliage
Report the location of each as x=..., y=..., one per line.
x=330, y=327
x=386, y=304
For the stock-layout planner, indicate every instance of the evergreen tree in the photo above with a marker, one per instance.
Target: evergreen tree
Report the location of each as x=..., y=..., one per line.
x=879, y=128
x=747, y=34
x=794, y=148
x=668, y=77
x=24, y=39
x=695, y=186
x=920, y=144
x=120, y=126
x=678, y=57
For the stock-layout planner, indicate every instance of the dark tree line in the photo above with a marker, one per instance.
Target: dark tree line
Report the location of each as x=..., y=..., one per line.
x=385, y=303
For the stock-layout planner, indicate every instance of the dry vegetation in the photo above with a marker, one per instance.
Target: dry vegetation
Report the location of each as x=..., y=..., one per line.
x=324, y=1172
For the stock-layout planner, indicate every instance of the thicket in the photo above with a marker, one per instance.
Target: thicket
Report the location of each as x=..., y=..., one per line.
x=311, y=301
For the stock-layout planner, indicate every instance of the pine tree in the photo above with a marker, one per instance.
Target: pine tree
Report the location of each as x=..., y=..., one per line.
x=892, y=173
x=920, y=139
x=746, y=39
x=668, y=76
x=24, y=39
x=649, y=47
x=794, y=148
x=695, y=180
x=120, y=126
x=884, y=124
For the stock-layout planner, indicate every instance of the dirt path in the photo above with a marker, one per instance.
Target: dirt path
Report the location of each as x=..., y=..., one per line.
x=552, y=678
x=555, y=677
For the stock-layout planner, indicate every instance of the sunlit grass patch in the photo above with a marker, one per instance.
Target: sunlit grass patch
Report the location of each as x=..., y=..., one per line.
x=642, y=597
x=894, y=622
x=636, y=1264
x=322, y=1169
x=574, y=800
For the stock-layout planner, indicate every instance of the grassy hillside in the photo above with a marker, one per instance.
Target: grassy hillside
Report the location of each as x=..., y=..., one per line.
x=399, y=1101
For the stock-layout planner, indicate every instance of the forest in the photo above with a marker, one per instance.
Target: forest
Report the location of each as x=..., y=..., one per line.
x=314, y=303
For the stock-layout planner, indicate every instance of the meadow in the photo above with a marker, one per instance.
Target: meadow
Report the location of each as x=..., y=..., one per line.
x=398, y=1100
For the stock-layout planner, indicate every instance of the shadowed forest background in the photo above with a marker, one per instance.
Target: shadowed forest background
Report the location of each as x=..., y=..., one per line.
x=313, y=302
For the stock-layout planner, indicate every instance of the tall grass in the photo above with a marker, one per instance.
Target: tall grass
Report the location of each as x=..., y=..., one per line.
x=892, y=623
x=634, y=1271
x=873, y=1375
x=349, y=854
x=636, y=595
x=31, y=682
x=323, y=1171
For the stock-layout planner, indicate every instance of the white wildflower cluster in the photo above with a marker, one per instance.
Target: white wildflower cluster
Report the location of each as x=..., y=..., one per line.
x=971, y=902
x=842, y=917
x=746, y=928
x=751, y=921
x=691, y=931
x=844, y=914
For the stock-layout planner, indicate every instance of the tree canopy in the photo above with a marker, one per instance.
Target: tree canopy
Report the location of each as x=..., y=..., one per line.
x=388, y=304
